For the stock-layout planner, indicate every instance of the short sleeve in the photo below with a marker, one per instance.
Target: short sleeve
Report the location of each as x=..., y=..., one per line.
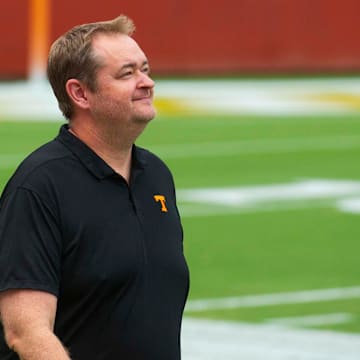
x=30, y=243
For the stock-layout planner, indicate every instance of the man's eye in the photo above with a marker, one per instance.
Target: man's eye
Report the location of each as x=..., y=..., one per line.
x=126, y=74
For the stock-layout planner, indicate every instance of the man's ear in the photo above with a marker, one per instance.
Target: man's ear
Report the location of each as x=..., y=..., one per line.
x=77, y=92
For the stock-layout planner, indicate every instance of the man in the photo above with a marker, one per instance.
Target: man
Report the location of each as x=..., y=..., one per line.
x=91, y=257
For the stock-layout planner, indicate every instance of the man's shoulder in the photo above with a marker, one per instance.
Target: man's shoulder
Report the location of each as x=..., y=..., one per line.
x=33, y=169
x=51, y=151
x=156, y=169
x=148, y=158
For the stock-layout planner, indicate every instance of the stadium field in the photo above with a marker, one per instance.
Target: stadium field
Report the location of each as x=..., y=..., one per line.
x=271, y=211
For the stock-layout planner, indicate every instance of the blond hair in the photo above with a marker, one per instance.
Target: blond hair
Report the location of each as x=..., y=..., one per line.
x=71, y=57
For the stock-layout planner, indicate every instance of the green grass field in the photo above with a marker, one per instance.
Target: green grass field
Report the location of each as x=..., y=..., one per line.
x=269, y=246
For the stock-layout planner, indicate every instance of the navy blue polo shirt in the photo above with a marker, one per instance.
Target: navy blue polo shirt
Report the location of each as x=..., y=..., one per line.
x=111, y=252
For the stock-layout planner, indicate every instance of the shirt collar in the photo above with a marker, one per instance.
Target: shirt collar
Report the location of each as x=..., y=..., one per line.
x=95, y=164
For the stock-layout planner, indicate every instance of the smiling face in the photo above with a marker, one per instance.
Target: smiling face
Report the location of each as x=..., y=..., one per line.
x=124, y=90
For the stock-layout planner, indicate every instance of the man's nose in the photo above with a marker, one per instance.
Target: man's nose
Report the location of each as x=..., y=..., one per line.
x=146, y=81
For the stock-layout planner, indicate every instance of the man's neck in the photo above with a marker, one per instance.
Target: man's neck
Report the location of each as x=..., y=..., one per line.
x=112, y=147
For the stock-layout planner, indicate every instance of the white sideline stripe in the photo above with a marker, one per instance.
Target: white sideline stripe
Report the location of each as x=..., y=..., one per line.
x=310, y=193
x=311, y=320
x=306, y=296
x=230, y=148
x=214, y=340
x=190, y=211
x=265, y=97
x=344, y=206
x=350, y=205
x=308, y=189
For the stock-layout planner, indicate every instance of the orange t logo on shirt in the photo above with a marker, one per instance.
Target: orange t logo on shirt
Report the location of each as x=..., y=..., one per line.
x=162, y=200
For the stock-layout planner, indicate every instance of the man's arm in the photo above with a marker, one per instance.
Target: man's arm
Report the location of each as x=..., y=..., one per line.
x=28, y=318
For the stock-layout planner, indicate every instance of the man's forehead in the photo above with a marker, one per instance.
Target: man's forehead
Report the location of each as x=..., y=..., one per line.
x=114, y=43
x=117, y=49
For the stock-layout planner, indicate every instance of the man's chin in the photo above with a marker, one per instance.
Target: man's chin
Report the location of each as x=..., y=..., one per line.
x=146, y=116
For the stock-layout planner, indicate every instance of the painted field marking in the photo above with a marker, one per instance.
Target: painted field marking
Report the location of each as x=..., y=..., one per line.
x=293, y=195
x=201, y=210
x=299, y=190
x=241, y=147
x=267, y=98
x=350, y=205
x=312, y=320
x=245, y=147
x=214, y=340
x=296, y=297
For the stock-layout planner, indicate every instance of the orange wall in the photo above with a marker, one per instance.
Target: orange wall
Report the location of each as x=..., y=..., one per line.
x=201, y=36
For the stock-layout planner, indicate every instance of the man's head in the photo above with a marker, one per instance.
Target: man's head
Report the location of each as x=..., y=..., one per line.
x=71, y=57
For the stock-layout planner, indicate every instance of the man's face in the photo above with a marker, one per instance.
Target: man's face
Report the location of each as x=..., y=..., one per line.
x=124, y=90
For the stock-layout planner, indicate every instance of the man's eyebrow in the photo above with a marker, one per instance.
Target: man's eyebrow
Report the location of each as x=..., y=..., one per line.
x=133, y=65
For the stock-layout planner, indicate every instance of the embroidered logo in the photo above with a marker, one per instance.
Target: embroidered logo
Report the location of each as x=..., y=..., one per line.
x=161, y=199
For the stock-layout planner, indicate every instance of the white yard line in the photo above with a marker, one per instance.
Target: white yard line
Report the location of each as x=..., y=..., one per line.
x=250, y=195
x=306, y=296
x=312, y=320
x=214, y=340
x=204, y=210
x=301, y=194
x=351, y=206
x=244, y=147
x=231, y=148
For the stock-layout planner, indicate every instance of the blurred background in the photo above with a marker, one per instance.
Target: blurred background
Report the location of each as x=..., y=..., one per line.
x=198, y=37
x=258, y=118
